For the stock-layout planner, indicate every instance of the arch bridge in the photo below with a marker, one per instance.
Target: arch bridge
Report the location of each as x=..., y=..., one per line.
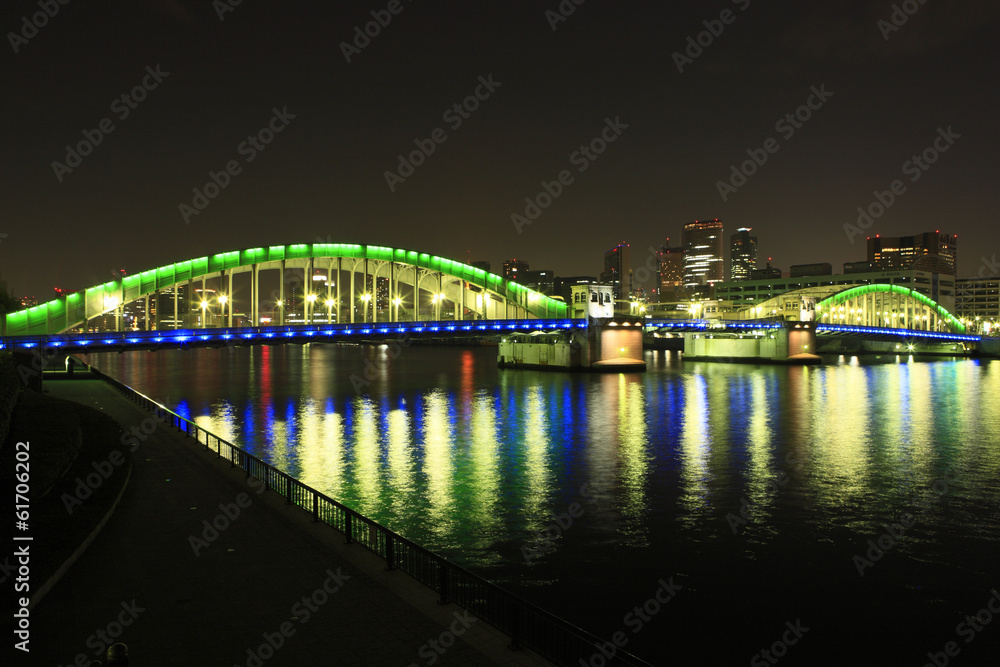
x=883, y=306
x=335, y=283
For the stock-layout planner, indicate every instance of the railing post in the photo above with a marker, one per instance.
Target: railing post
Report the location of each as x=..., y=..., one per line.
x=288, y=489
x=347, y=526
x=267, y=477
x=390, y=552
x=315, y=507
x=443, y=580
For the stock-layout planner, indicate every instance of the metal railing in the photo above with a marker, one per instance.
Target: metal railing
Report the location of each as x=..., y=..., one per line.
x=526, y=624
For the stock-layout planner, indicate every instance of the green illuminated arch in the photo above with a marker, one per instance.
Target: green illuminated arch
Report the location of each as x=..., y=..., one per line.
x=75, y=309
x=855, y=292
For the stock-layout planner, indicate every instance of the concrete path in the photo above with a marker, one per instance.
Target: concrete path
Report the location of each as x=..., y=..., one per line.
x=271, y=588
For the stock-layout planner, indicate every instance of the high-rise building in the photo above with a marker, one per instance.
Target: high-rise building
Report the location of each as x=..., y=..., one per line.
x=742, y=254
x=617, y=272
x=541, y=281
x=162, y=308
x=978, y=299
x=670, y=286
x=703, y=260
x=932, y=251
x=514, y=268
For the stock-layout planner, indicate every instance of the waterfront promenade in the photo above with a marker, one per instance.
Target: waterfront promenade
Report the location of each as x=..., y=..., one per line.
x=184, y=595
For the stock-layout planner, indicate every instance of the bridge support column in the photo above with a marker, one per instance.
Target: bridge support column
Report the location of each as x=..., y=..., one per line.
x=255, y=295
x=281, y=294
x=230, y=301
x=145, y=313
x=329, y=293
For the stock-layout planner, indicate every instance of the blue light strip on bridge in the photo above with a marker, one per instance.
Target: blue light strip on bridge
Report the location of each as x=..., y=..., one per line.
x=179, y=337
x=901, y=333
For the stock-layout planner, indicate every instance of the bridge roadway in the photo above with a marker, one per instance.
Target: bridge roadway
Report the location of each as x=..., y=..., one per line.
x=69, y=343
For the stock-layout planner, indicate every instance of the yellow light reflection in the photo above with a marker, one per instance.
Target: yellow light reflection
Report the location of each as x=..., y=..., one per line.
x=694, y=451
x=632, y=443
x=367, y=454
x=439, y=466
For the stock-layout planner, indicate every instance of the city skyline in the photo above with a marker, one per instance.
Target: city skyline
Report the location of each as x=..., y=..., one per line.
x=214, y=130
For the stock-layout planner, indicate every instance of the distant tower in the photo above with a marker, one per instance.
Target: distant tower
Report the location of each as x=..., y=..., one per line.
x=617, y=272
x=703, y=261
x=935, y=252
x=513, y=268
x=742, y=254
x=671, y=279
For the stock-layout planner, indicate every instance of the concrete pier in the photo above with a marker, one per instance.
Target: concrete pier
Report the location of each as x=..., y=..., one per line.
x=789, y=343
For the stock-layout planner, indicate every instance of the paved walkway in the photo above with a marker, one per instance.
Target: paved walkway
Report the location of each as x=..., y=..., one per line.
x=247, y=584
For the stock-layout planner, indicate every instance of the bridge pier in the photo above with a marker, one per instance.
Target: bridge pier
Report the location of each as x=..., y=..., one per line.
x=793, y=343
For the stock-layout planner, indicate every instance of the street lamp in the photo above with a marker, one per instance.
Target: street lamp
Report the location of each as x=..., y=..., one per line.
x=329, y=311
x=366, y=297
x=437, y=300
x=204, y=313
x=312, y=302
x=396, y=302
x=223, y=299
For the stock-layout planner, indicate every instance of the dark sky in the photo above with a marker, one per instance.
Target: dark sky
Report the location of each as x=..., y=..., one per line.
x=323, y=176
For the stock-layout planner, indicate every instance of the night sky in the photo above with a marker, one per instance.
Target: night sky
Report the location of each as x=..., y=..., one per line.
x=223, y=73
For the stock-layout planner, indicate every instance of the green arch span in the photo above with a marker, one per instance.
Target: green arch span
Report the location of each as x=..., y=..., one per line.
x=854, y=292
x=67, y=312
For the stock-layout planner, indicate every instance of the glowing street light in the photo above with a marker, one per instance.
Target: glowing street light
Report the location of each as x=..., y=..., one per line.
x=311, y=298
x=366, y=297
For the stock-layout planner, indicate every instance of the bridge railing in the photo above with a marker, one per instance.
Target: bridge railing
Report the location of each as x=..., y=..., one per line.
x=526, y=624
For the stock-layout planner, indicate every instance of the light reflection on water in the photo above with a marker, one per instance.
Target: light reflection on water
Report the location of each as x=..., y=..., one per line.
x=489, y=456
x=473, y=462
